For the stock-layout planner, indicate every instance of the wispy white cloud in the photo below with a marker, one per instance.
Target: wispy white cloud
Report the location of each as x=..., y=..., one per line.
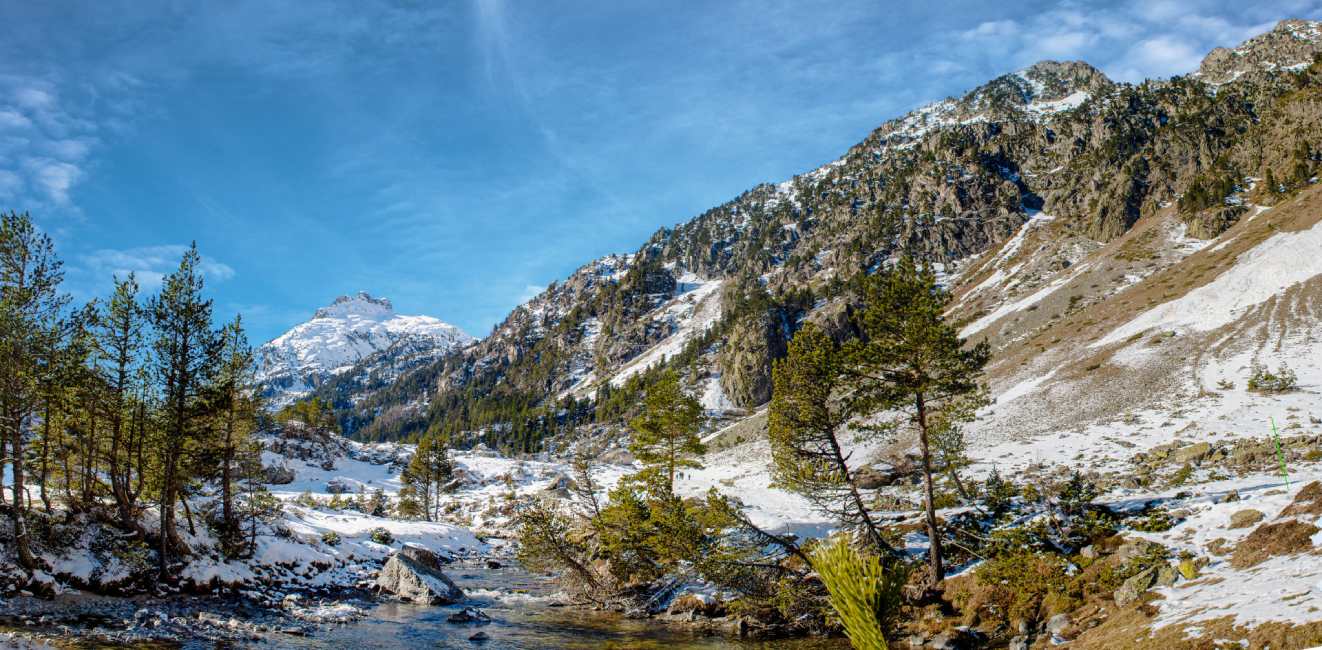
x=149, y=264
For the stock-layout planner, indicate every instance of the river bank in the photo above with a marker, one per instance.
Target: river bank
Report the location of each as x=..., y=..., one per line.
x=524, y=611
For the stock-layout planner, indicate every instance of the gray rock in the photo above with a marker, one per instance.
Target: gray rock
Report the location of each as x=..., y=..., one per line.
x=1167, y=575
x=416, y=581
x=1135, y=586
x=1019, y=643
x=1133, y=548
x=1194, y=454
x=871, y=478
x=559, y=483
x=469, y=615
x=278, y=475
x=1056, y=624
x=421, y=555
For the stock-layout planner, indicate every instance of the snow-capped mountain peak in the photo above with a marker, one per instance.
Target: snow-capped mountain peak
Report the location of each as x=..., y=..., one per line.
x=349, y=331
x=362, y=305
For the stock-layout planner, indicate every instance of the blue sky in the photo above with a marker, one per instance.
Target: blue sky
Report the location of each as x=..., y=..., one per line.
x=458, y=156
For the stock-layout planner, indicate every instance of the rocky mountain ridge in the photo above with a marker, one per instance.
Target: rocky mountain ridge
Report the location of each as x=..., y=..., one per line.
x=1084, y=161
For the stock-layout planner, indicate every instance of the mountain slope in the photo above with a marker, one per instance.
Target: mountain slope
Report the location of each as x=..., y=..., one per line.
x=355, y=335
x=1087, y=163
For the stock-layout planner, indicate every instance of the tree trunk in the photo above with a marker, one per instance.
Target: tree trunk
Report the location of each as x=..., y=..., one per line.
x=933, y=533
x=227, y=480
x=167, y=516
x=45, y=461
x=19, y=511
x=869, y=526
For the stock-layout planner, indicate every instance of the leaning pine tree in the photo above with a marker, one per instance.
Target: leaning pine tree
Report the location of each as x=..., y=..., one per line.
x=810, y=413
x=909, y=360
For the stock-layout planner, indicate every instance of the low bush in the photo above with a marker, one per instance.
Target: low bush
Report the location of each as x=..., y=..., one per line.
x=1262, y=380
x=381, y=536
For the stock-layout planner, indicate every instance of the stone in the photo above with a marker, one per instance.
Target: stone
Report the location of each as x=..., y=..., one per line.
x=559, y=483
x=479, y=637
x=492, y=564
x=421, y=555
x=417, y=581
x=1167, y=575
x=1193, y=454
x=1134, y=548
x=1089, y=552
x=1245, y=518
x=871, y=478
x=278, y=475
x=1135, y=587
x=469, y=615
x=1056, y=624
x=1018, y=643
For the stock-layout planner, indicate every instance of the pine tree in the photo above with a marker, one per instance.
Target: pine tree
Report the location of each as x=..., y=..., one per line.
x=30, y=306
x=235, y=395
x=428, y=472
x=665, y=435
x=909, y=360
x=120, y=338
x=809, y=413
x=185, y=350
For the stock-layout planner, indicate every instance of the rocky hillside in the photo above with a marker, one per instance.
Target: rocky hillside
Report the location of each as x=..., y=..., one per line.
x=356, y=338
x=1011, y=188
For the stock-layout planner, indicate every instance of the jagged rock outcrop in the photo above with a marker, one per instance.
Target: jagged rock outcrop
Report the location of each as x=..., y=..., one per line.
x=746, y=356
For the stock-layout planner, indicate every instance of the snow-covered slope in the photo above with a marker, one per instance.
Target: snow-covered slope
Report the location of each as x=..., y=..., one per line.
x=343, y=334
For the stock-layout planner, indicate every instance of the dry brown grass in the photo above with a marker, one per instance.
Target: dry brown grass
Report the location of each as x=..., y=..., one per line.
x=1307, y=502
x=1270, y=540
x=1132, y=629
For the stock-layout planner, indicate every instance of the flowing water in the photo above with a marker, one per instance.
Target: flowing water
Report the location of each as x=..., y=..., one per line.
x=523, y=614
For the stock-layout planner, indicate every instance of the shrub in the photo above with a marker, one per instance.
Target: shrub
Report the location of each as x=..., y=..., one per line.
x=330, y=538
x=1262, y=380
x=306, y=500
x=1021, y=586
x=1077, y=494
x=1156, y=521
x=999, y=494
x=381, y=536
x=865, y=593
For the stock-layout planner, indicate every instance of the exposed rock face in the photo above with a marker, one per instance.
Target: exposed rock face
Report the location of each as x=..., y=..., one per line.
x=1289, y=44
x=414, y=575
x=746, y=356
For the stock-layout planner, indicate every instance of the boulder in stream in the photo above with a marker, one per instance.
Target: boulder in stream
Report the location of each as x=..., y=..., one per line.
x=414, y=575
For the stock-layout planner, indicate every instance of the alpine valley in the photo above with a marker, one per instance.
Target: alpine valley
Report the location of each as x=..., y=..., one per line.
x=1140, y=465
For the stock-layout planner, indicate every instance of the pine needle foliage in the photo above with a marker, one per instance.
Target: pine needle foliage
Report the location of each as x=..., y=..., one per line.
x=865, y=592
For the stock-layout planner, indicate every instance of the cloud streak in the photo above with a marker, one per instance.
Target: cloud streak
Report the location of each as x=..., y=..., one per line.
x=149, y=264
